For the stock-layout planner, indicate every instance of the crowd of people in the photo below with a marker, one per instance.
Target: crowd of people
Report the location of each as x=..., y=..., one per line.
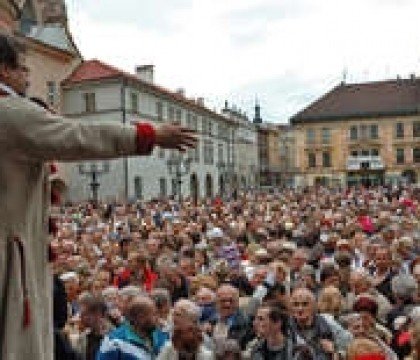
x=314, y=273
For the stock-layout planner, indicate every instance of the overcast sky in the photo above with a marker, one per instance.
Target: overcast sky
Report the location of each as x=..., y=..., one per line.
x=286, y=52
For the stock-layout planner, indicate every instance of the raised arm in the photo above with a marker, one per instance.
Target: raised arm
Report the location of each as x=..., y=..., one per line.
x=28, y=131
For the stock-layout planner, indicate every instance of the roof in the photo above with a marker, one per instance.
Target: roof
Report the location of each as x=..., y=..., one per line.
x=375, y=99
x=96, y=70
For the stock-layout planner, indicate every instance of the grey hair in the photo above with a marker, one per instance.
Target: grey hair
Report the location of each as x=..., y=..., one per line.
x=404, y=286
x=189, y=308
x=109, y=291
x=130, y=291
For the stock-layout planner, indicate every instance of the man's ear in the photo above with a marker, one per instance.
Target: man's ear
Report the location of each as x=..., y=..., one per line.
x=4, y=72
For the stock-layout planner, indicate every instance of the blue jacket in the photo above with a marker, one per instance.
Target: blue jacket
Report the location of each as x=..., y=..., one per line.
x=124, y=344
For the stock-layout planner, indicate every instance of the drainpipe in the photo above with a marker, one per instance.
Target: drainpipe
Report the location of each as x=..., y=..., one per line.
x=124, y=121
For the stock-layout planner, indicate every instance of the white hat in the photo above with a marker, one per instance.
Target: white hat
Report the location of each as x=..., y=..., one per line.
x=71, y=275
x=215, y=233
x=288, y=245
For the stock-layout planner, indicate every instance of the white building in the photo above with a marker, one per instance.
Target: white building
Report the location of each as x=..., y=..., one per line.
x=244, y=143
x=98, y=92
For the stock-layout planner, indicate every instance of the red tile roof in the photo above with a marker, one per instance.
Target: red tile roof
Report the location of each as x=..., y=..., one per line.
x=367, y=100
x=94, y=70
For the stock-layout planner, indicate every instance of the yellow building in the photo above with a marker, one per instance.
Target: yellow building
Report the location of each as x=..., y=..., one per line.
x=269, y=155
x=360, y=134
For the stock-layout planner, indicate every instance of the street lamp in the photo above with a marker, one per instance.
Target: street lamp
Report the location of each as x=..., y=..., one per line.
x=94, y=170
x=179, y=167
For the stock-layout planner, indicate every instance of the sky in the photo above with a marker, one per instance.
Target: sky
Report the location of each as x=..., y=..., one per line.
x=285, y=53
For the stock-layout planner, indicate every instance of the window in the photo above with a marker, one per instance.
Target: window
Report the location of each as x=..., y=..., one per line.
x=162, y=187
x=51, y=92
x=90, y=102
x=197, y=153
x=171, y=114
x=326, y=135
x=326, y=159
x=161, y=153
x=353, y=133
x=174, y=187
x=399, y=130
x=416, y=129
x=400, y=156
x=138, y=187
x=363, y=131
x=374, y=131
x=178, y=116
x=159, y=111
x=365, y=152
x=134, y=102
x=416, y=155
x=311, y=160
x=354, y=153
x=220, y=153
x=374, y=152
x=310, y=136
x=208, y=152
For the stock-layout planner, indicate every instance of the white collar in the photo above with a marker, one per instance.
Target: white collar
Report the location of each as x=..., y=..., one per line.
x=8, y=89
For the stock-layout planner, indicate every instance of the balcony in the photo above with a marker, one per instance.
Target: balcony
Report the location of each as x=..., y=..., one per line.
x=364, y=163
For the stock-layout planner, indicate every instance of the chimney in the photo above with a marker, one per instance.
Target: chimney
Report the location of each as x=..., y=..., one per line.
x=181, y=91
x=413, y=77
x=145, y=73
x=200, y=101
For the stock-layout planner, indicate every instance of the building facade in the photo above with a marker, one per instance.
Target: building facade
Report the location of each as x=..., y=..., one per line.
x=269, y=155
x=360, y=134
x=287, y=151
x=242, y=169
x=98, y=92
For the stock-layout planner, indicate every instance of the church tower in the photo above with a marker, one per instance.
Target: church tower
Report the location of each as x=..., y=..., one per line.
x=257, y=115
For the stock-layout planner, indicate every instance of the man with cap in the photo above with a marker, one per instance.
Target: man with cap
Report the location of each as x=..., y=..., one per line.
x=29, y=137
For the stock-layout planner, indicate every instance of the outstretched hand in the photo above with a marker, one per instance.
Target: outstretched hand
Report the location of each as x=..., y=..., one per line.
x=171, y=136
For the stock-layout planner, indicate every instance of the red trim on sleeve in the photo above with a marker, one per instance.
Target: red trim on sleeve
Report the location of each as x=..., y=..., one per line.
x=370, y=357
x=146, y=138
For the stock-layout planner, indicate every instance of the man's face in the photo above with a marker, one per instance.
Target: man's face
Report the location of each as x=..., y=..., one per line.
x=302, y=307
x=382, y=259
x=261, y=322
x=227, y=302
x=153, y=246
x=17, y=78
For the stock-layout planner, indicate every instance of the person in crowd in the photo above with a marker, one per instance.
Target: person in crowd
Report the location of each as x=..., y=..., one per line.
x=187, y=341
x=365, y=349
x=404, y=291
x=231, y=322
x=93, y=325
x=274, y=344
x=138, y=337
x=330, y=303
x=312, y=331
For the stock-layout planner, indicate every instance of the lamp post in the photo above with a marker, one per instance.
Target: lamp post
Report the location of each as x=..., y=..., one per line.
x=94, y=171
x=178, y=166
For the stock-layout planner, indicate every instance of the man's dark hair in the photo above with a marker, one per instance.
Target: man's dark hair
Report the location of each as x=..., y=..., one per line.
x=10, y=48
x=327, y=272
x=276, y=315
x=95, y=304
